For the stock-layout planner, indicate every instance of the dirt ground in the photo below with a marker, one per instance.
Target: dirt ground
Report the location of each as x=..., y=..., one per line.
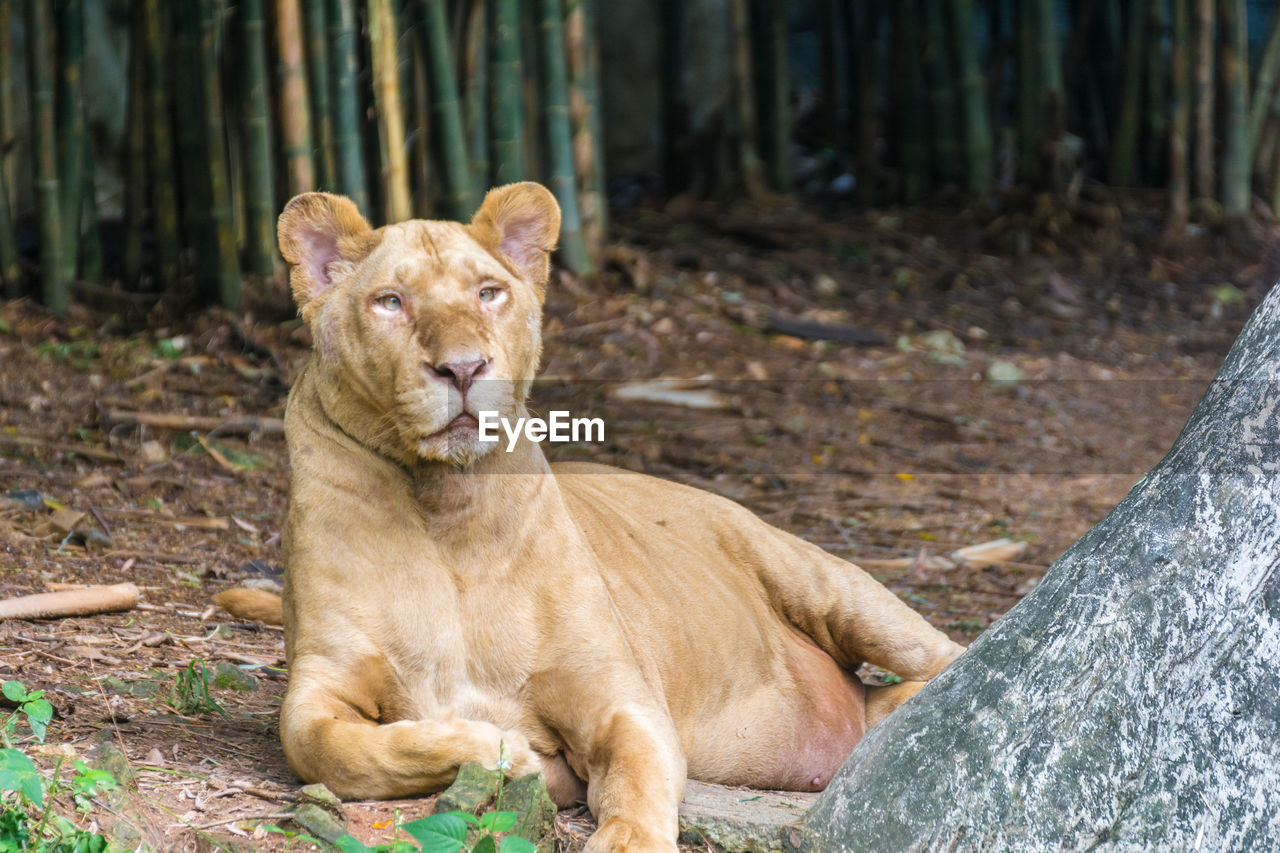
x=990, y=379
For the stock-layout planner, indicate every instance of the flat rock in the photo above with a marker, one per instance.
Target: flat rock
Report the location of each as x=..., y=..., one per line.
x=741, y=820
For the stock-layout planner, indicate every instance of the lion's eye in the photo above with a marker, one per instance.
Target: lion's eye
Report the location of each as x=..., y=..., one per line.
x=389, y=302
x=488, y=294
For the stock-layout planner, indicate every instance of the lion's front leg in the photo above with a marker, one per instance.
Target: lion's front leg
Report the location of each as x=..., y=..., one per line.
x=328, y=740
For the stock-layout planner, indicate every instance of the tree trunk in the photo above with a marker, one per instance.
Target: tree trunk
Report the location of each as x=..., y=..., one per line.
x=475, y=88
x=1264, y=82
x=1205, y=178
x=1124, y=150
x=164, y=195
x=1132, y=700
x=316, y=19
x=941, y=76
x=1237, y=162
x=221, y=266
x=587, y=170
x=555, y=81
x=71, y=129
x=1157, y=122
x=137, y=171
x=749, y=163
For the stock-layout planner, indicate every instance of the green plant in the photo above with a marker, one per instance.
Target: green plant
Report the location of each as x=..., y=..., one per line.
x=190, y=694
x=52, y=833
x=88, y=782
x=451, y=832
x=31, y=705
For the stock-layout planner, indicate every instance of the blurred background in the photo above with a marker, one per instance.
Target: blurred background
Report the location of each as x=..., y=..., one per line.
x=147, y=146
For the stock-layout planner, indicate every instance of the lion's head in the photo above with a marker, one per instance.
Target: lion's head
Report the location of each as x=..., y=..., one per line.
x=420, y=326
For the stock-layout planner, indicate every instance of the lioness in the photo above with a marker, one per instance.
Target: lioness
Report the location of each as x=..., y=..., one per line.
x=445, y=600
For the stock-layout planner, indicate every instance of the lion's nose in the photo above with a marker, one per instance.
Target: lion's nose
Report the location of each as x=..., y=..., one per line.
x=461, y=373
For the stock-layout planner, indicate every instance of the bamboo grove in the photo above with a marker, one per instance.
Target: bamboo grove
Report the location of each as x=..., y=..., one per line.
x=415, y=107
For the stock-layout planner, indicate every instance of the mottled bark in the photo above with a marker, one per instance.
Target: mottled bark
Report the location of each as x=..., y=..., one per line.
x=1132, y=701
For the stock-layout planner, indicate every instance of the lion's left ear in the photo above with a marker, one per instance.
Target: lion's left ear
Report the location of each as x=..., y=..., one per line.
x=520, y=222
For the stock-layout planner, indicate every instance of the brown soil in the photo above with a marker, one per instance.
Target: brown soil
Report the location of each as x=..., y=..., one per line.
x=890, y=455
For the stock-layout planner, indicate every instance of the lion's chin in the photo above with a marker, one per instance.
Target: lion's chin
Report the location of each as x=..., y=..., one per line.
x=456, y=444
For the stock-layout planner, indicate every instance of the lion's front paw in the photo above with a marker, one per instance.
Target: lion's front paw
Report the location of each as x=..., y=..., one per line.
x=618, y=836
x=517, y=758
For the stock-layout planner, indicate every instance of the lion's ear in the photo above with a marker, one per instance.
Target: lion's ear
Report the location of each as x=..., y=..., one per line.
x=521, y=222
x=315, y=230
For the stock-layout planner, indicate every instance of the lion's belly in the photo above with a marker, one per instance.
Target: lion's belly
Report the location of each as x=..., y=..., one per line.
x=755, y=701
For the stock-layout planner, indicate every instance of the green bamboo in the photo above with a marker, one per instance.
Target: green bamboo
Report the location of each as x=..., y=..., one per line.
x=8, y=114
x=1236, y=160
x=316, y=20
x=864, y=20
x=586, y=168
x=294, y=106
x=475, y=88
x=1180, y=72
x=591, y=17
x=1028, y=90
x=461, y=198
x=89, y=260
x=1264, y=82
x=507, y=113
x=345, y=102
x=10, y=272
x=189, y=130
x=164, y=196
x=1204, y=100
x=973, y=93
x=259, y=178
x=946, y=144
x=221, y=269
x=555, y=80
x=1051, y=94
x=750, y=166
x=913, y=104
x=1124, y=148
x=1157, y=90
x=40, y=74
x=136, y=167
x=70, y=120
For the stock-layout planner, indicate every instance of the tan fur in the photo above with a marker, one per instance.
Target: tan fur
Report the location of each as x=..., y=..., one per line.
x=252, y=605
x=446, y=600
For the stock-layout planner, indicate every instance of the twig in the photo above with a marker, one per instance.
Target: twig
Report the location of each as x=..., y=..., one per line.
x=105, y=527
x=243, y=425
x=226, y=820
x=84, y=450
x=71, y=602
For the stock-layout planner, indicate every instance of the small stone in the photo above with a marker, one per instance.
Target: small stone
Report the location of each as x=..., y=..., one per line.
x=319, y=821
x=320, y=795
x=228, y=675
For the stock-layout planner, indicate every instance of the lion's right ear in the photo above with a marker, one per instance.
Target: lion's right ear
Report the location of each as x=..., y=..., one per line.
x=315, y=230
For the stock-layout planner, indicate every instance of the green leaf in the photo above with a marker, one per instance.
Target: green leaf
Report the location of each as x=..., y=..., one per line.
x=498, y=821
x=439, y=833
x=485, y=845
x=347, y=844
x=516, y=844
x=14, y=691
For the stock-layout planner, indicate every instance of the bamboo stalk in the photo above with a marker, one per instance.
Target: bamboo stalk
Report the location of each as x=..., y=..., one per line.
x=977, y=123
x=937, y=60
x=1124, y=149
x=90, y=256
x=1179, y=69
x=505, y=73
x=164, y=197
x=573, y=250
x=591, y=19
x=221, y=269
x=748, y=151
x=40, y=74
x=774, y=88
x=316, y=20
x=1265, y=81
x=914, y=135
x=1052, y=96
x=386, y=96
x=70, y=120
x=259, y=179
x=135, y=164
x=1157, y=90
x=461, y=199
x=1028, y=88
x=295, y=112
x=865, y=22
x=10, y=271
x=1236, y=160
x=586, y=168
x=475, y=88
x=345, y=100
x=1204, y=171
